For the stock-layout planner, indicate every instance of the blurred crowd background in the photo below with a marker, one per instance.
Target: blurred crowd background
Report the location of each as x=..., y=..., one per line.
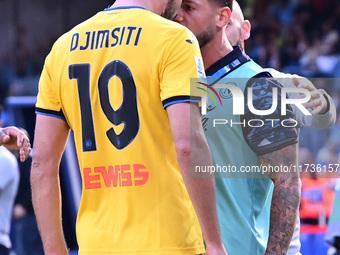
x=294, y=36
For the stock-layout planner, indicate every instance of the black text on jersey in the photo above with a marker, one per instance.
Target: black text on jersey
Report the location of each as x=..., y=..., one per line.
x=94, y=40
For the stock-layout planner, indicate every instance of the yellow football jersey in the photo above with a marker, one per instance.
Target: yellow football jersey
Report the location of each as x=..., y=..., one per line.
x=110, y=78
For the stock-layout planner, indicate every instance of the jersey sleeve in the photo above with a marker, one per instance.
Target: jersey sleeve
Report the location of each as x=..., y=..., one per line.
x=267, y=133
x=48, y=102
x=321, y=121
x=182, y=61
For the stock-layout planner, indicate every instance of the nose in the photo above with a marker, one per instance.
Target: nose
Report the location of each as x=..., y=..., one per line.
x=179, y=16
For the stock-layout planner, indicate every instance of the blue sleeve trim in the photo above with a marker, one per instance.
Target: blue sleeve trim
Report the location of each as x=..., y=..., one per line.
x=51, y=115
x=125, y=7
x=59, y=115
x=180, y=99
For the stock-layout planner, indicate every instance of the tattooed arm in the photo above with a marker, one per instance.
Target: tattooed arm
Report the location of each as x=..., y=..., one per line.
x=285, y=200
x=275, y=145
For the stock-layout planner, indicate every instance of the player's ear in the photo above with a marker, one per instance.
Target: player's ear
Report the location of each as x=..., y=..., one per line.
x=246, y=27
x=224, y=14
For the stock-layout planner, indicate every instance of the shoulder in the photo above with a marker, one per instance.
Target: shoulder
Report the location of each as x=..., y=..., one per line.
x=174, y=31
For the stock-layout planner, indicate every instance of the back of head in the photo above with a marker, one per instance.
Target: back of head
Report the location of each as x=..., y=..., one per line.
x=237, y=11
x=238, y=29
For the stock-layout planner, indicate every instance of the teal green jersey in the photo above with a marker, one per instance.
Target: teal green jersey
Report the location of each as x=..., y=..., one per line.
x=243, y=198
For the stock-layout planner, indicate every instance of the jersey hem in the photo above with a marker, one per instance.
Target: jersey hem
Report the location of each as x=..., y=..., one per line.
x=125, y=7
x=278, y=146
x=180, y=99
x=51, y=113
x=187, y=251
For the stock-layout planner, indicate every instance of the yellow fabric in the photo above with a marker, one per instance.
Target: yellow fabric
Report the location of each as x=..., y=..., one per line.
x=134, y=199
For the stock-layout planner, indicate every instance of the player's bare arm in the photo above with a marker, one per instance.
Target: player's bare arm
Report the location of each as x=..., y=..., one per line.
x=192, y=149
x=12, y=138
x=285, y=200
x=50, y=139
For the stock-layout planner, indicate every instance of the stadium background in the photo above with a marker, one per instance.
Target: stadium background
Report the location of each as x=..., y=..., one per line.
x=295, y=36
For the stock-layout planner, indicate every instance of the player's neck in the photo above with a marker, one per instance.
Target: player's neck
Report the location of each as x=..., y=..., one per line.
x=216, y=49
x=150, y=5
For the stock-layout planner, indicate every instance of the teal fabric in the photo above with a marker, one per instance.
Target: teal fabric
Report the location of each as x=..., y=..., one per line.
x=243, y=199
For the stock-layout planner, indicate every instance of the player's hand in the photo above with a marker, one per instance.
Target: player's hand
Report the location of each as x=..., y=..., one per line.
x=317, y=102
x=13, y=139
x=215, y=250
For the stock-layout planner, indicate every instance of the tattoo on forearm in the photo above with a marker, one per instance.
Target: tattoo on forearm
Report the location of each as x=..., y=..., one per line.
x=285, y=201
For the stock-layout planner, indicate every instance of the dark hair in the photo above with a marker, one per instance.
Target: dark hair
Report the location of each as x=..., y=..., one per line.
x=223, y=3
